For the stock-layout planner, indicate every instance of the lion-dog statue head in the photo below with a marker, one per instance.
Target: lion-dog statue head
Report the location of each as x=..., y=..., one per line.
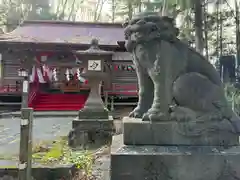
x=148, y=26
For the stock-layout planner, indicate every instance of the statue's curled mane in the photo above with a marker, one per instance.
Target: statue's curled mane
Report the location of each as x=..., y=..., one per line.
x=149, y=27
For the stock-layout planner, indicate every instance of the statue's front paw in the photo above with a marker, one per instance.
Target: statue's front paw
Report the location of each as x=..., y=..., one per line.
x=155, y=116
x=136, y=113
x=146, y=117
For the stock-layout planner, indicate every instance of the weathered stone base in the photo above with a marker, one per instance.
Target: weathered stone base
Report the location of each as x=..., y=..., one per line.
x=90, y=113
x=41, y=173
x=166, y=133
x=91, y=131
x=175, y=162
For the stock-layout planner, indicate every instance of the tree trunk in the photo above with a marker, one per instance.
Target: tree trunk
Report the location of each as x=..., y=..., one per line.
x=71, y=12
x=140, y=6
x=62, y=14
x=165, y=8
x=206, y=29
x=58, y=7
x=237, y=33
x=100, y=9
x=217, y=48
x=96, y=10
x=221, y=34
x=199, y=26
x=113, y=10
x=130, y=9
x=33, y=12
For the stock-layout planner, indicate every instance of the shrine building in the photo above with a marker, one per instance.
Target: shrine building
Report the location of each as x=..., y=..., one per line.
x=44, y=50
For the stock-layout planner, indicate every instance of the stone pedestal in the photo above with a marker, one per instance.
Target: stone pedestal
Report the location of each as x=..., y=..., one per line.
x=170, y=133
x=94, y=102
x=93, y=125
x=175, y=162
x=156, y=151
x=95, y=132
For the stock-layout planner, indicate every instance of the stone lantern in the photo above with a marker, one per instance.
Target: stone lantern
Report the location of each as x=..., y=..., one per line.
x=93, y=59
x=93, y=122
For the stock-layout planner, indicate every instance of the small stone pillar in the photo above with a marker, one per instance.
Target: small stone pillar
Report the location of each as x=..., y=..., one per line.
x=93, y=124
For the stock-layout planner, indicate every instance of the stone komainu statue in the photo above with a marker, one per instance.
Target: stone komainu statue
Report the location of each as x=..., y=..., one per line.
x=175, y=82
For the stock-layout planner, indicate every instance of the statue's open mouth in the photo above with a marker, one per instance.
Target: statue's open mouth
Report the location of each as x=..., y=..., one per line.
x=139, y=31
x=131, y=42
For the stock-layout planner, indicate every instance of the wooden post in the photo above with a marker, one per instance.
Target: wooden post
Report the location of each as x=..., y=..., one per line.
x=106, y=98
x=112, y=103
x=25, y=155
x=25, y=89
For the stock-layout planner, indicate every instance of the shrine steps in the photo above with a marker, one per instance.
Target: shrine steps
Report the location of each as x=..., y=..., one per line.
x=59, y=102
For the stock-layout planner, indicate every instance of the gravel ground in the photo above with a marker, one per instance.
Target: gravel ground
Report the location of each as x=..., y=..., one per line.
x=44, y=129
x=49, y=128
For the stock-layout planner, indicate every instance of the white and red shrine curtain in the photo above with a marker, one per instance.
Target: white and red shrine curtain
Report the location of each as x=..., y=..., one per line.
x=83, y=80
x=67, y=74
x=47, y=73
x=37, y=75
x=40, y=73
x=76, y=73
x=33, y=76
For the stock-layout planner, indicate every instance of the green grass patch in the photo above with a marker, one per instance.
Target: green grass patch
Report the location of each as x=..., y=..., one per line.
x=56, y=153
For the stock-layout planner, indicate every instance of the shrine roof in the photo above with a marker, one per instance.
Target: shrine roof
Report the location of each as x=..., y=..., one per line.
x=62, y=32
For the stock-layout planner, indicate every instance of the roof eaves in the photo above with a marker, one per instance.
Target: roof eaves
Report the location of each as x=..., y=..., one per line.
x=72, y=23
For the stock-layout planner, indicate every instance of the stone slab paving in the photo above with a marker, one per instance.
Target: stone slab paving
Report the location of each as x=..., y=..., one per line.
x=44, y=129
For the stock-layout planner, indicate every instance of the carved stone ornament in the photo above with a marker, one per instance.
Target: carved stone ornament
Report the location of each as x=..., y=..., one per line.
x=182, y=127
x=94, y=65
x=175, y=82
